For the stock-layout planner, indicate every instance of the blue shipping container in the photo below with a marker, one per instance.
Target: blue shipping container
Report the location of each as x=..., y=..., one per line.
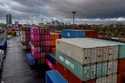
x=54, y=77
x=30, y=59
x=71, y=33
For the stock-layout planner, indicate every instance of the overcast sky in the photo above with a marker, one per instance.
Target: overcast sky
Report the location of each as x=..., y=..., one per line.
x=22, y=9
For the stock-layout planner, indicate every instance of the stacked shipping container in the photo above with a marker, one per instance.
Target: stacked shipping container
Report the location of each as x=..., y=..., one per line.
x=54, y=37
x=79, y=60
x=45, y=40
x=50, y=60
x=40, y=43
x=121, y=65
x=35, y=43
x=25, y=37
x=89, y=59
x=72, y=33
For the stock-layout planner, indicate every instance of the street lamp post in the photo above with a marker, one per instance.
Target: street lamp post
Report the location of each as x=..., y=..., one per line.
x=74, y=13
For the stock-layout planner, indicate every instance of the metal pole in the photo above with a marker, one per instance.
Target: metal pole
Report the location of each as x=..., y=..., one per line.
x=73, y=19
x=74, y=12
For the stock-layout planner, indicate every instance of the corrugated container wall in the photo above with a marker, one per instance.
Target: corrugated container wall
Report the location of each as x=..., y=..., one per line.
x=54, y=77
x=89, y=58
x=69, y=33
x=73, y=33
x=88, y=48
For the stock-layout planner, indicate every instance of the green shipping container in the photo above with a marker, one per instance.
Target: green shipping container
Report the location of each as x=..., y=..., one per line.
x=83, y=72
x=122, y=52
x=101, y=70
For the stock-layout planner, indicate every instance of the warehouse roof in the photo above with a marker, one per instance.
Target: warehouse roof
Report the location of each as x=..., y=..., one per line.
x=89, y=42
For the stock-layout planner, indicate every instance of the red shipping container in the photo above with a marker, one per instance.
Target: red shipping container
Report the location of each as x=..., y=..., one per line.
x=43, y=58
x=69, y=75
x=47, y=43
x=36, y=52
x=72, y=78
x=121, y=78
x=45, y=38
x=35, y=29
x=35, y=34
x=51, y=66
x=121, y=66
x=44, y=31
x=47, y=49
x=35, y=49
x=90, y=81
x=61, y=69
x=92, y=34
x=35, y=37
x=38, y=56
x=53, y=49
x=36, y=44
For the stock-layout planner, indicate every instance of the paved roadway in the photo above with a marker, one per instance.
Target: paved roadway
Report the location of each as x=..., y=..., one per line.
x=15, y=68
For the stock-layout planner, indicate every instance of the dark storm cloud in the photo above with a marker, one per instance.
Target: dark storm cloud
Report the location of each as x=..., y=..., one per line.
x=89, y=8
x=63, y=8
x=23, y=8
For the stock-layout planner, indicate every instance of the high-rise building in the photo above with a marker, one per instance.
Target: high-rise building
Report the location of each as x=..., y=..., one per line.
x=8, y=19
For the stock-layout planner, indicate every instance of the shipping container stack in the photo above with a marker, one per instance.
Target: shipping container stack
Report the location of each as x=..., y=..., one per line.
x=36, y=43
x=45, y=40
x=54, y=36
x=40, y=43
x=25, y=37
x=88, y=60
x=73, y=33
x=66, y=33
x=50, y=60
x=121, y=65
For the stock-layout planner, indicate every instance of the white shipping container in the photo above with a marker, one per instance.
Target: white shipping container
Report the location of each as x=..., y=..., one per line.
x=79, y=49
x=86, y=72
x=87, y=56
x=104, y=54
x=101, y=80
x=110, y=53
x=73, y=51
x=99, y=54
x=108, y=79
x=113, y=52
x=93, y=55
x=112, y=78
x=112, y=67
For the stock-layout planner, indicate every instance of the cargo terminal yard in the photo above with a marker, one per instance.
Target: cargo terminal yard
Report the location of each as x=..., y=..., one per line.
x=62, y=41
x=37, y=54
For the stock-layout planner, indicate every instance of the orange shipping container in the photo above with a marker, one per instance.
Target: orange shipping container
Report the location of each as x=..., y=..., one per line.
x=53, y=42
x=54, y=35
